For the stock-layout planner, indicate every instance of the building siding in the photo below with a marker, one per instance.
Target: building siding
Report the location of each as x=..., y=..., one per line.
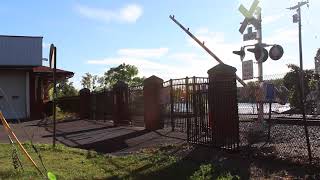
x=13, y=94
x=20, y=51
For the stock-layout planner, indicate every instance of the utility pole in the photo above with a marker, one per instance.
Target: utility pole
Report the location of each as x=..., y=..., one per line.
x=302, y=93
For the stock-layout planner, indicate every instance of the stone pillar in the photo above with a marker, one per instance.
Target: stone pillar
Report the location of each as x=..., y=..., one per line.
x=152, y=107
x=85, y=104
x=120, y=103
x=223, y=106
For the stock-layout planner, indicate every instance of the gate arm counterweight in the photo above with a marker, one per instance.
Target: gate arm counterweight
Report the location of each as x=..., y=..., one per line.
x=203, y=46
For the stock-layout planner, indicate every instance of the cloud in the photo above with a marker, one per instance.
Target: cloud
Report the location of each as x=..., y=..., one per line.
x=195, y=62
x=146, y=67
x=216, y=42
x=141, y=63
x=144, y=53
x=45, y=45
x=283, y=36
x=175, y=65
x=271, y=18
x=128, y=14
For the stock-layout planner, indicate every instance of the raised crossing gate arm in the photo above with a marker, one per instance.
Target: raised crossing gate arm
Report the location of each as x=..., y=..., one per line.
x=202, y=45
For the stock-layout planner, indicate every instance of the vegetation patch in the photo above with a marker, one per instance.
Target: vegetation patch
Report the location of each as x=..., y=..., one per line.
x=71, y=163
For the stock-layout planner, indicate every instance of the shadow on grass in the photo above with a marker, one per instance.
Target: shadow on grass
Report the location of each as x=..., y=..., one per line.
x=223, y=164
x=162, y=167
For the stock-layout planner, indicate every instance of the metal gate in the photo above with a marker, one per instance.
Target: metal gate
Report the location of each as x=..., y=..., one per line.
x=186, y=108
x=136, y=106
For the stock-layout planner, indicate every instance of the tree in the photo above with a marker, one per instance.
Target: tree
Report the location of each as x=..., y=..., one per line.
x=292, y=82
x=124, y=72
x=66, y=88
x=318, y=54
x=90, y=82
x=247, y=94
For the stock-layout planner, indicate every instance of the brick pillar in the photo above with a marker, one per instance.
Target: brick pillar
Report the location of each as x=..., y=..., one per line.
x=223, y=106
x=152, y=108
x=120, y=103
x=84, y=103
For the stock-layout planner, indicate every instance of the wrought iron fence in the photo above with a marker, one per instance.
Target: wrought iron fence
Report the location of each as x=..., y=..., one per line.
x=101, y=105
x=182, y=102
x=136, y=106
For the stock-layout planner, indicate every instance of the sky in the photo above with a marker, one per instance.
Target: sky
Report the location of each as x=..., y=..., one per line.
x=93, y=36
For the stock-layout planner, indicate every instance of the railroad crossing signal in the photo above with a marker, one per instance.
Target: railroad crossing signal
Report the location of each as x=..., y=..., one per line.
x=250, y=35
x=260, y=53
x=241, y=53
x=276, y=52
x=248, y=14
x=247, y=70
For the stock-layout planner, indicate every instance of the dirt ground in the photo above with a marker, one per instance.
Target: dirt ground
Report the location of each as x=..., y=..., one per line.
x=105, y=138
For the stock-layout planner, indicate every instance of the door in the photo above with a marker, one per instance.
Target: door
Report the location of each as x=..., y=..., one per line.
x=13, y=94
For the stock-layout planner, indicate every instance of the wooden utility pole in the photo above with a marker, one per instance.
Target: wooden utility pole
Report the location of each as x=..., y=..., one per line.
x=302, y=93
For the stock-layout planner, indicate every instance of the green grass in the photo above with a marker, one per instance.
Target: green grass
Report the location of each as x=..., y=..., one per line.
x=61, y=115
x=70, y=163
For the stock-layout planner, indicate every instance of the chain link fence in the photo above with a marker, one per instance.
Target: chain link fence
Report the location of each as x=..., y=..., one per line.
x=279, y=132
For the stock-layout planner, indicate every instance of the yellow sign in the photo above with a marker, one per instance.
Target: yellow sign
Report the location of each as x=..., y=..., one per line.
x=253, y=8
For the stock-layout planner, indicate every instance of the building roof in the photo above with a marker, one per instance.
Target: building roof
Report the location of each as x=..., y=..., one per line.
x=15, y=36
x=47, y=71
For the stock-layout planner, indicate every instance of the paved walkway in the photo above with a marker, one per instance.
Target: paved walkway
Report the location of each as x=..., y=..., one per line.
x=96, y=135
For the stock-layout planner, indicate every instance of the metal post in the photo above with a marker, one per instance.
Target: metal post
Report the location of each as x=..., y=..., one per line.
x=171, y=106
x=269, y=123
x=302, y=98
x=54, y=95
x=187, y=106
x=260, y=67
x=194, y=109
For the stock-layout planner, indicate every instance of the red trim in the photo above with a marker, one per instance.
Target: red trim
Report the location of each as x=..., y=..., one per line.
x=45, y=69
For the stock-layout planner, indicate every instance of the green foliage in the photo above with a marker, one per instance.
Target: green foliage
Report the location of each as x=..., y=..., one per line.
x=208, y=172
x=204, y=173
x=71, y=163
x=124, y=72
x=63, y=115
x=92, y=82
x=66, y=89
x=292, y=82
x=247, y=94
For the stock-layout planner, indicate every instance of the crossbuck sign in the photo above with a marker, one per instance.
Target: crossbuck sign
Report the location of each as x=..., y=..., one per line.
x=248, y=14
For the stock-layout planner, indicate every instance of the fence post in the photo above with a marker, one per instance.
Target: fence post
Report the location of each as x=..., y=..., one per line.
x=84, y=103
x=120, y=103
x=194, y=132
x=93, y=106
x=171, y=106
x=223, y=106
x=187, y=106
x=152, y=107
